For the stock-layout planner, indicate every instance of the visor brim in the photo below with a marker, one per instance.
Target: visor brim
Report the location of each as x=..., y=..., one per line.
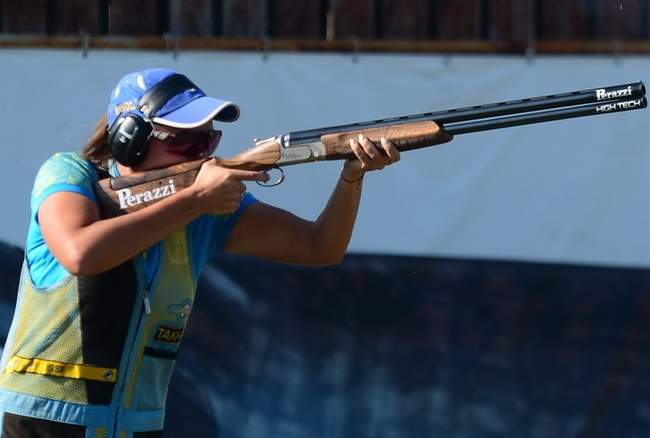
x=200, y=111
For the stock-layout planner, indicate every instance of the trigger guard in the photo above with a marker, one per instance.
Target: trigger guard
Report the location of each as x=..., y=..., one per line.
x=274, y=183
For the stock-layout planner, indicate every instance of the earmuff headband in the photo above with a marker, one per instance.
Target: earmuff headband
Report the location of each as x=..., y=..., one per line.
x=154, y=99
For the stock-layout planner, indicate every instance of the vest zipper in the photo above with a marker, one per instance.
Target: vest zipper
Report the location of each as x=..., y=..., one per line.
x=147, y=309
x=147, y=303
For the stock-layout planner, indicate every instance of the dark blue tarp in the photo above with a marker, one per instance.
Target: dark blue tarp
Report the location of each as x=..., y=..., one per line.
x=383, y=346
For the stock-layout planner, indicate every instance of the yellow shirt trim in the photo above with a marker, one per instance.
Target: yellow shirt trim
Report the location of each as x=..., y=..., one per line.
x=45, y=367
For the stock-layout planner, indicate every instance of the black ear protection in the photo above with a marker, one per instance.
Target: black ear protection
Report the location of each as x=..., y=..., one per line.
x=129, y=134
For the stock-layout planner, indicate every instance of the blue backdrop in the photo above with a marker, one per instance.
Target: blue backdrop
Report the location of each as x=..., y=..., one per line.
x=385, y=346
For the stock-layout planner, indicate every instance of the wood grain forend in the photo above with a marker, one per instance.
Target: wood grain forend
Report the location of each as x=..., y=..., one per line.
x=406, y=137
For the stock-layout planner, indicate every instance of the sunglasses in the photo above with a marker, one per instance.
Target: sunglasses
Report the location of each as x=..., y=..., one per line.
x=190, y=143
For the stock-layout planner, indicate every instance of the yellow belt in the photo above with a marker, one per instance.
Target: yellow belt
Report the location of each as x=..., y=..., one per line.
x=44, y=367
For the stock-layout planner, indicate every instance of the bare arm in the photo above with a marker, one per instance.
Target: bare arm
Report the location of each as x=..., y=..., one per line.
x=278, y=235
x=85, y=244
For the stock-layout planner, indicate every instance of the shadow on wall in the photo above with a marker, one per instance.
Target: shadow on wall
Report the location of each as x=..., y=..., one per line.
x=383, y=346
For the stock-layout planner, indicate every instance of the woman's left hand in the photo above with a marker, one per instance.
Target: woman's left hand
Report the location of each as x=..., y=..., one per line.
x=369, y=157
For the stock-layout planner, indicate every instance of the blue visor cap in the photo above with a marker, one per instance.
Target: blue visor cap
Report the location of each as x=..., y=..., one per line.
x=188, y=109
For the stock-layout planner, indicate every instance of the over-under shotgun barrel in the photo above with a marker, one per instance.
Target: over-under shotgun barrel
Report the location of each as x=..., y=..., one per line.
x=629, y=91
x=593, y=109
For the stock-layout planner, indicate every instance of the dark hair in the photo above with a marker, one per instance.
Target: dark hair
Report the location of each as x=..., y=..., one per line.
x=96, y=149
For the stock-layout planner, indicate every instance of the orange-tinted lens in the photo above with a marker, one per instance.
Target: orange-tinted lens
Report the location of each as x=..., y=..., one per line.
x=193, y=142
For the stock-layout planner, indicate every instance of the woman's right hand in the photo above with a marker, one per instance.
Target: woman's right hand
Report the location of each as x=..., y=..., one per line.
x=219, y=190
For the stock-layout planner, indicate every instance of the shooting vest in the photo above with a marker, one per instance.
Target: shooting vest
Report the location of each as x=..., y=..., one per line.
x=88, y=351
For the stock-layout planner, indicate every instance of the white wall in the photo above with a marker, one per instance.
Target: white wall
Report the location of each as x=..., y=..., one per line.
x=570, y=191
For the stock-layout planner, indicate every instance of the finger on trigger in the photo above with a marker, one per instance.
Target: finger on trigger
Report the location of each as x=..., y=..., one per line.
x=249, y=175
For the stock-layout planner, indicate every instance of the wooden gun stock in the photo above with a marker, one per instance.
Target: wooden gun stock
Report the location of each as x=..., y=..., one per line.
x=125, y=194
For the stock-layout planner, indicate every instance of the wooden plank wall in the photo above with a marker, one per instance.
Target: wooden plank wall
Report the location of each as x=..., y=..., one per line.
x=295, y=19
x=459, y=19
x=509, y=21
x=83, y=19
x=597, y=19
x=26, y=16
x=353, y=19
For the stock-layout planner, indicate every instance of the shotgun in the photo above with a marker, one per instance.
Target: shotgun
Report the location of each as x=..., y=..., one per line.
x=125, y=194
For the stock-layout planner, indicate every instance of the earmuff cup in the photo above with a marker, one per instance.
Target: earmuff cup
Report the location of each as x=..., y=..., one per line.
x=128, y=138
